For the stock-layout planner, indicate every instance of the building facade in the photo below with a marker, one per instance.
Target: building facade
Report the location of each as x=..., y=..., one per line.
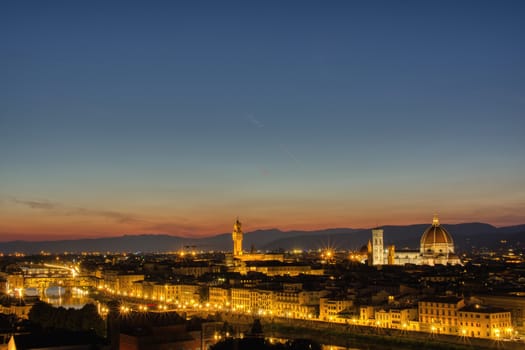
x=330, y=308
x=485, y=322
x=440, y=314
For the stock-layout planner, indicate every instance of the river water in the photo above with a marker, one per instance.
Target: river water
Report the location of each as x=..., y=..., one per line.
x=324, y=346
x=68, y=301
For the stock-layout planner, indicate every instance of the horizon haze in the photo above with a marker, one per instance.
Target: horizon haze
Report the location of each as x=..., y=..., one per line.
x=38, y=238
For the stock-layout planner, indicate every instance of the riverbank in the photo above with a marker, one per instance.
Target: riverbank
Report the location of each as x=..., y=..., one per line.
x=353, y=336
x=363, y=337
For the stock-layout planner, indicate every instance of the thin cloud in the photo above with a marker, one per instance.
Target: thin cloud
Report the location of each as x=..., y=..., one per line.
x=255, y=121
x=122, y=218
x=34, y=204
x=290, y=154
x=60, y=209
x=258, y=124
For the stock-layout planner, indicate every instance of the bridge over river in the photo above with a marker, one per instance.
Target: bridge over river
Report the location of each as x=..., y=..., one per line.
x=47, y=280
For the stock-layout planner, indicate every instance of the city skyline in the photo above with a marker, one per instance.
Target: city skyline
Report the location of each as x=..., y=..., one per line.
x=129, y=118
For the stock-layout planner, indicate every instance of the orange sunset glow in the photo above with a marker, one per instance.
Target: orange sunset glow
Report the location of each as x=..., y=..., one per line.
x=330, y=117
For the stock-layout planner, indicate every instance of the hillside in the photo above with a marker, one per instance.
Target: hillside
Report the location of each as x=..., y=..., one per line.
x=465, y=236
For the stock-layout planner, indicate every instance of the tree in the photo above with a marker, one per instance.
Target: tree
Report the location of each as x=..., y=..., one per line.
x=256, y=330
x=227, y=329
x=90, y=319
x=41, y=314
x=85, y=319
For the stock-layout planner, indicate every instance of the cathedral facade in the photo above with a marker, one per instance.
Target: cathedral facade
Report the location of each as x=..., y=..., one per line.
x=436, y=248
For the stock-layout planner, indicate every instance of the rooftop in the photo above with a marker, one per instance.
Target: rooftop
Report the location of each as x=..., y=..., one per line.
x=442, y=299
x=482, y=309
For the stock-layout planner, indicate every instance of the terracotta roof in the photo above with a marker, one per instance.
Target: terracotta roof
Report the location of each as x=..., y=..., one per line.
x=436, y=234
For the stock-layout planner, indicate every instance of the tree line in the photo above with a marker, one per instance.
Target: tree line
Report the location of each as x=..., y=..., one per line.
x=48, y=317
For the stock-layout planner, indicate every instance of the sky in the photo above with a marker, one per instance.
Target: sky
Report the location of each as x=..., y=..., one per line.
x=177, y=117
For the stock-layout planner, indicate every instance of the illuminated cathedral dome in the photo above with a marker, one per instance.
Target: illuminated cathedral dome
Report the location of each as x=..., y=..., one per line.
x=436, y=240
x=437, y=248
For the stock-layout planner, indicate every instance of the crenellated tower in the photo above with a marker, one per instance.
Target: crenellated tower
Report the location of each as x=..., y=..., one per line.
x=237, y=238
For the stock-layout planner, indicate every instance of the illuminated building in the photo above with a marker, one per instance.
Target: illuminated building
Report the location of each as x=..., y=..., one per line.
x=289, y=301
x=329, y=308
x=398, y=318
x=436, y=247
x=15, y=281
x=243, y=299
x=219, y=297
x=182, y=293
x=440, y=314
x=485, y=322
x=276, y=268
x=515, y=302
x=237, y=239
x=366, y=313
x=238, y=256
x=294, y=301
x=143, y=289
x=120, y=282
x=165, y=292
x=403, y=257
x=189, y=293
x=375, y=248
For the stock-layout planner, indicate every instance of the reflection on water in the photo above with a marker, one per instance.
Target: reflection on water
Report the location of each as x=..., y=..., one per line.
x=68, y=301
x=274, y=340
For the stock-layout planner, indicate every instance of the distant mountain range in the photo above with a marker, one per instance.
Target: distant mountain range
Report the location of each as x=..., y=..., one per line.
x=465, y=237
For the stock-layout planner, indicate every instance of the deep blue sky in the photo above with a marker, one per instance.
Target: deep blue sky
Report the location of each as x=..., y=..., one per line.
x=180, y=116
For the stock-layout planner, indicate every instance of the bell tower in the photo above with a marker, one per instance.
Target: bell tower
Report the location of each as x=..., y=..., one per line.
x=237, y=238
x=377, y=247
